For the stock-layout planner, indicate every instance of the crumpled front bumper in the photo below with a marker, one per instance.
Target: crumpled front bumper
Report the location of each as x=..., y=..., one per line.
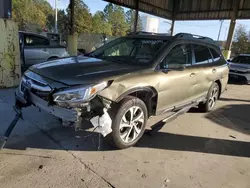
x=63, y=113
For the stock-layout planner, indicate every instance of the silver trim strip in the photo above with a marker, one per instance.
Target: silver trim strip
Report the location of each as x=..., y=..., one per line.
x=34, y=86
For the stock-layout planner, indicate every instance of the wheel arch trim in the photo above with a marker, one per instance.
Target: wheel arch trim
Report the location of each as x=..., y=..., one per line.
x=149, y=89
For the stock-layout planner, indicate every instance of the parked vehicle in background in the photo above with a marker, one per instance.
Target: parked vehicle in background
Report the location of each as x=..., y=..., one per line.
x=128, y=80
x=37, y=48
x=240, y=68
x=55, y=38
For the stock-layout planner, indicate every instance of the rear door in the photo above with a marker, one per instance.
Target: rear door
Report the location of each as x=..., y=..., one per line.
x=176, y=78
x=35, y=49
x=207, y=65
x=203, y=70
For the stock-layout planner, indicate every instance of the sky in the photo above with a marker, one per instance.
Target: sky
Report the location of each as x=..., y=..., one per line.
x=204, y=28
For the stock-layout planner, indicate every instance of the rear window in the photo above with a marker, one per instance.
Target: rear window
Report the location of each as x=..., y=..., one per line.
x=202, y=55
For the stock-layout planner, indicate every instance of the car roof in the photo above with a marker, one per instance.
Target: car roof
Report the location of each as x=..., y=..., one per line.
x=33, y=34
x=148, y=35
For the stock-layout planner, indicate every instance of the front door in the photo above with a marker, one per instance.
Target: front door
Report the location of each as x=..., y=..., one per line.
x=35, y=49
x=177, y=78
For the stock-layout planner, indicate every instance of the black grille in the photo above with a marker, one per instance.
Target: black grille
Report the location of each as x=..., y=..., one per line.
x=42, y=94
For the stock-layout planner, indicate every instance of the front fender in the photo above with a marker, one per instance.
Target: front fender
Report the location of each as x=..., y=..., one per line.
x=116, y=92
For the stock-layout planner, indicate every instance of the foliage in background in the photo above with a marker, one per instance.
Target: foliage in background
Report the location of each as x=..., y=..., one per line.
x=35, y=15
x=130, y=19
x=115, y=16
x=83, y=18
x=241, y=42
x=26, y=12
x=100, y=25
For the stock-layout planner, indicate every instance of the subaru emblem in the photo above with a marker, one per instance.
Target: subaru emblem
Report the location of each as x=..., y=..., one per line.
x=28, y=84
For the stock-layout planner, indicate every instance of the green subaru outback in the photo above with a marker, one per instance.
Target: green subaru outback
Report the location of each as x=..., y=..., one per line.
x=120, y=85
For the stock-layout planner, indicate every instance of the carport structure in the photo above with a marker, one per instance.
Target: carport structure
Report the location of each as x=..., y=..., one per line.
x=177, y=10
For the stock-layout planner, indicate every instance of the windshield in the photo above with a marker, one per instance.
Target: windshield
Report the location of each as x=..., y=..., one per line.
x=242, y=60
x=130, y=50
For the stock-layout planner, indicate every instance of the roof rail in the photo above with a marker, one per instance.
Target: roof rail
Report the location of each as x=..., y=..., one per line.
x=192, y=36
x=148, y=33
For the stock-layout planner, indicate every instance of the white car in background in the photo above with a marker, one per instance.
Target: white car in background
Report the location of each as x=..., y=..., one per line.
x=240, y=68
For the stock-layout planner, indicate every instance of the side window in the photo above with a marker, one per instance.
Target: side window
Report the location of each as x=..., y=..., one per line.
x=202, y=55
x=215, y=54
x=179, y=56
x=30, y=40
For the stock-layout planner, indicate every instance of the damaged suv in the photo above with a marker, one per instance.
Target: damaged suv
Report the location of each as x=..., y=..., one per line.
x=121, y=84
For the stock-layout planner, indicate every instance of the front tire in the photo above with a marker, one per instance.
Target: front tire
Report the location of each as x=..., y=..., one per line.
x=129, y=120
x=212, y=97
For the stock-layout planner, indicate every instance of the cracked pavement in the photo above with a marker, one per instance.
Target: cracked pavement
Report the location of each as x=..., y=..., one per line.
x=195, y=150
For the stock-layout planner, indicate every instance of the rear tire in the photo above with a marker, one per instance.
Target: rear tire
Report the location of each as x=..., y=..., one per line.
x=212, y=96
x=127, y=129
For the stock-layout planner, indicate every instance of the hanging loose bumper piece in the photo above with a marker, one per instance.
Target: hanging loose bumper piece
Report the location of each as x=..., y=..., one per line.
x=13, y=123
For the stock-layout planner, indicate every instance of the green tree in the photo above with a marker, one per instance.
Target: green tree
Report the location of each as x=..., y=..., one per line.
x=83, y=18
x=115, y=16
x=130, y=19
x=26, y=12
x=48, y=11
x=100, y=25
x=241, y=40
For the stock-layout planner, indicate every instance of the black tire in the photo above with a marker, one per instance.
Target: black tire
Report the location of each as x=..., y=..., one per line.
x=207, y=107
x=117, y=113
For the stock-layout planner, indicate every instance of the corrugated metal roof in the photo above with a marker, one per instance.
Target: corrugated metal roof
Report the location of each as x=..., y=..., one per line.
x=190, y=9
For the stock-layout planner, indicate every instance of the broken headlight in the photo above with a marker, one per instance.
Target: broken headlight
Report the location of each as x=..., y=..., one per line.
x=79, y=94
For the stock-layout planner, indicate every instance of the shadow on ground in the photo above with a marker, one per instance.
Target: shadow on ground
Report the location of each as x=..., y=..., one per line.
x=233, y=116
x=230, y=99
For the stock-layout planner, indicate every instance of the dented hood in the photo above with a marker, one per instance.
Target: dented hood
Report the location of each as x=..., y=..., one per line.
x=82, y=70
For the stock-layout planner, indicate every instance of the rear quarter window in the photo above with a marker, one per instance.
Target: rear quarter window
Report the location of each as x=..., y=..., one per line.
x=215, y=54
x=202, y=55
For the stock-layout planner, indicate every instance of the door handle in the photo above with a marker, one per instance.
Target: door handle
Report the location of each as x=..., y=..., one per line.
x=192, y=75
x=214, y=71
x=45, y=50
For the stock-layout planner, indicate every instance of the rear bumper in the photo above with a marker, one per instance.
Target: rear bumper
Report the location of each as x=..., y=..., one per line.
x=63, y=113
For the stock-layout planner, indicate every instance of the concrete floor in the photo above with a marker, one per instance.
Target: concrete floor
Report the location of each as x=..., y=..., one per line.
x=195, y=150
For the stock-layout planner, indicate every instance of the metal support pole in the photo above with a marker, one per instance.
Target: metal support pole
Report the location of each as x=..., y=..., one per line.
x=230, y=34
x=234, y=14
x=136, y=16
x=221, y=22
x=72, y=17
x=56, y=30
x=72, y=37
x=172, y=28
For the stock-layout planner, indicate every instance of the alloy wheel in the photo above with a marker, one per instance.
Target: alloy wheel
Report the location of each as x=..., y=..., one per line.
x=213, y=98
x=131, y=124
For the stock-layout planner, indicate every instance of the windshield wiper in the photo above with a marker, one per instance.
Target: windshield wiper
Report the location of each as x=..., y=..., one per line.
x=112, y=58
